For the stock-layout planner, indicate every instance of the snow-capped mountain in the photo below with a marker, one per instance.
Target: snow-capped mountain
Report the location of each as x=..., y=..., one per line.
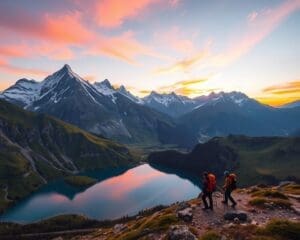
x=23, y=92
x=171, y=104
x=292, y=104
x=157, y=118
x=98, y=108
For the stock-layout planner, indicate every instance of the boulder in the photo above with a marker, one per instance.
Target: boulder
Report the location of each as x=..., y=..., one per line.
x=180, y=232
x=185, y=214
x=183, y=205
x=242, y=216
x=119, y=228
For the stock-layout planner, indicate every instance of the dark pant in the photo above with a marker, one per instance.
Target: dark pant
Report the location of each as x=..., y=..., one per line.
x=209, y=196
x=228, y=196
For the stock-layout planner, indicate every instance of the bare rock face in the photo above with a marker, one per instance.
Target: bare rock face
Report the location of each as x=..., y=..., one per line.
x=180, y=232
x=185, y=214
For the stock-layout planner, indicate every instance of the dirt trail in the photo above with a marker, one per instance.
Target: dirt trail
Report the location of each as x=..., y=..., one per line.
x=204, y=220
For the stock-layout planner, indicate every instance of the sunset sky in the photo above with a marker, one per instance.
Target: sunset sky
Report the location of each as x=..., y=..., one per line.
x=192, y=47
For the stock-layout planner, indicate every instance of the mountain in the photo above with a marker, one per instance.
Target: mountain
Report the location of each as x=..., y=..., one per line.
x=235, y=113
x=155, y=119
x=292, y=104
x=172, y=104
x=97, y=108
x=258, y=159
x=35, y=148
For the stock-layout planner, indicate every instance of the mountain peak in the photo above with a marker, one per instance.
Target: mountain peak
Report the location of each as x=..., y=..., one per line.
x=67, y=67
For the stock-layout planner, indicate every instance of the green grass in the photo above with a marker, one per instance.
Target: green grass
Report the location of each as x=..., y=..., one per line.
x=281, y=229
x=269, y=193
x=271, y=203
x=292, y=189
x=265, y=159
x=152, y=224
x=210, y=235
x=80, y=181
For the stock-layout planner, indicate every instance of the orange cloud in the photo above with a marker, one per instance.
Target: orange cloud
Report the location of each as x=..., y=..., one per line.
x=13, y=51
x=281, y=94
x=112, y=13
x=124, y=47
x=182, y=65
x=66, y=28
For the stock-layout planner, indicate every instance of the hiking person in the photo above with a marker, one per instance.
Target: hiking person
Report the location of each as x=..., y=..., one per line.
x=229, y=186
x=209, y=186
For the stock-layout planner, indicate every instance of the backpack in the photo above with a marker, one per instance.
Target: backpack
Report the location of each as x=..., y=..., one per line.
x=233, y=181
x=212, y=183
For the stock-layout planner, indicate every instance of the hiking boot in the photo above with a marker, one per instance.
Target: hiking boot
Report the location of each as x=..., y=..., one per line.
x=224, y=202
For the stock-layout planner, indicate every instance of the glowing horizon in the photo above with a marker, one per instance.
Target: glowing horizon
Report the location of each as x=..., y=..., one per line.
x=190, y=47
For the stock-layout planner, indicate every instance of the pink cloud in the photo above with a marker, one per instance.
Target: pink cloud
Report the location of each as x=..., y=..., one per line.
x=112, y=13
x=125, y=47
x=260, y=25
x=7, y=67
x=176, y=39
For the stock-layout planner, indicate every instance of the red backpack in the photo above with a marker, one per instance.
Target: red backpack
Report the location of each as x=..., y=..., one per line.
x=233, y=181
x=212, y=183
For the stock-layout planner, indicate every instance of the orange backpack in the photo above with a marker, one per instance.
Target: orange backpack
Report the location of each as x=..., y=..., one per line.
x=212, y=183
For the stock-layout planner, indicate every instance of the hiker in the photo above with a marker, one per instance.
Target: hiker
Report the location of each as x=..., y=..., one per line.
x=209, y=186
x=229, y=186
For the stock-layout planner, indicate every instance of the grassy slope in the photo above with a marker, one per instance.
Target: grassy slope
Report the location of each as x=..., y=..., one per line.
x=52, y=139
x=254, y=159
x=264, y=159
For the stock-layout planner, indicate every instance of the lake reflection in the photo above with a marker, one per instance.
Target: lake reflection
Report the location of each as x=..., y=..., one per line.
x=118, y=193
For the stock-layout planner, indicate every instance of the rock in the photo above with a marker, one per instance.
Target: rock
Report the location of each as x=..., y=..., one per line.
x=119, y=228
x=284, y=183
x=236, y=220
x=194, y=206
x=58, y=238
x=183, y=205
x=180, y=232
x=185, y=214
x=242, y=216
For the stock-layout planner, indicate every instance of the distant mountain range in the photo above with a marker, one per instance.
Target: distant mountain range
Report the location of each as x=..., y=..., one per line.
x=157, y=118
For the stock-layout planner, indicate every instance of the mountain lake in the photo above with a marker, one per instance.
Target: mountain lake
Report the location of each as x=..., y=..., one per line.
x=118, y=192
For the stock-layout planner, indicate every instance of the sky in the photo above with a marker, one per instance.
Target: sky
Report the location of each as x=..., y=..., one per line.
x=191, y=47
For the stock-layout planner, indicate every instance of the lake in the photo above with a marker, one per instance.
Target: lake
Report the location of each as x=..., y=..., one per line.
x=119, y=192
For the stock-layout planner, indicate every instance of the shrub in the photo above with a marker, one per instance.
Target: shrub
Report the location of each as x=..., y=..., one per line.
x=282, y=228
x=210, y=235
x=270, y=194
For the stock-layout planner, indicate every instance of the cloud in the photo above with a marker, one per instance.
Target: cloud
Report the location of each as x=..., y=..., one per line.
x=65, y=28
x=176, y=39
x=7, y=67
x=281, y=94
x=182, y=65
x=125, y=47
x=113, y=13
x=252, y=16
x=260, y=25
x=290, y=87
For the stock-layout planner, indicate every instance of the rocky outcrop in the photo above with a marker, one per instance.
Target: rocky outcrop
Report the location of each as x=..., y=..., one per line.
x=180, y=232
